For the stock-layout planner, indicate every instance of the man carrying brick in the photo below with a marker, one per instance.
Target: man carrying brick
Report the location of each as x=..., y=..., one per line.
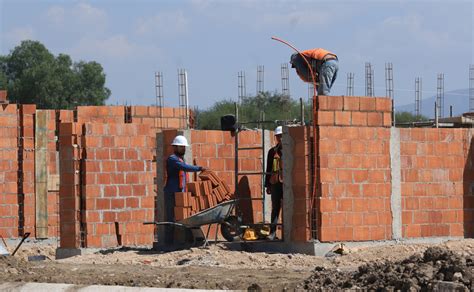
x=324, y=65
x=274, y=180
x=176, y=170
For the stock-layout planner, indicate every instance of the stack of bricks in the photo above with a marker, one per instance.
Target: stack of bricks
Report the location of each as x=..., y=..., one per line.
x=301, y=184
x=70, y=204
x=435, y=179
x=117, y=185
x=8, y=171
x=201, y=195
x=26, y=172
x=354, y=171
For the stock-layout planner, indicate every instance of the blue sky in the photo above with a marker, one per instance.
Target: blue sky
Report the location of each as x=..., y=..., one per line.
x=215, y=39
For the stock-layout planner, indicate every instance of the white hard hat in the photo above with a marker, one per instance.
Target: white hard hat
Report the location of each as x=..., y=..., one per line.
x=180, y=141
x=279, y=130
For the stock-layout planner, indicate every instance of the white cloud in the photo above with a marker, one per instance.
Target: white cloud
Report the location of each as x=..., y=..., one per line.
x=82, y=15
x=88, y=14
x=113, y=47
x=18, y=34
x=56, y=14
x=164, y=23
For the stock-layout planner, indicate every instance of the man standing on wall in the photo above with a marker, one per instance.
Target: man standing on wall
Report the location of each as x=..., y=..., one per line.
x=176, y=179
x=274, y=180
x=324, y=65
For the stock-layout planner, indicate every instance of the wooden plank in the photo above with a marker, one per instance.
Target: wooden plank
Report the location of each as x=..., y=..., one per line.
x=41, y=173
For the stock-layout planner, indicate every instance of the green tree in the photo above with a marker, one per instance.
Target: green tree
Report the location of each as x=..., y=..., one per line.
x=407, y=117
x=34, y=75
x=275, y=106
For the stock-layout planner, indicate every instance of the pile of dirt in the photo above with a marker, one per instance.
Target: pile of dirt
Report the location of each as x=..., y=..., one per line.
x=436, y=269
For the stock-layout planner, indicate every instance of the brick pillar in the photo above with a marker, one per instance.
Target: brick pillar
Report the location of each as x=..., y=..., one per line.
x=9, y=206
x=297, y=184
x=69, y=189
x=354, y=168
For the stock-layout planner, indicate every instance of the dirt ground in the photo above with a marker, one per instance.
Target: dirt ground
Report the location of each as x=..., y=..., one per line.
x=216, y=267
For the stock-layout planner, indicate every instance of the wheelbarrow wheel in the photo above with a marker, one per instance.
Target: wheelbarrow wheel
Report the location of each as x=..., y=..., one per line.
x=230, y=228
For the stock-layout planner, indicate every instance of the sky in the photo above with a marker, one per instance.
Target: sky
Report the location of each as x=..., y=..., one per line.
x=215, y=39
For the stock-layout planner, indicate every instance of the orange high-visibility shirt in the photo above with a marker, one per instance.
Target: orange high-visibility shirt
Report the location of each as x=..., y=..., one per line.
x=317, y=54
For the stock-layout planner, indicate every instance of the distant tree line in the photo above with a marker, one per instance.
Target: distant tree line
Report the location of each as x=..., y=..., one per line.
x=32, y=75
x=275, y=106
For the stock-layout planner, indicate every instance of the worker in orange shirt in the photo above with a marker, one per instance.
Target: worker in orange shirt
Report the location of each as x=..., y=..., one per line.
x=324, y=64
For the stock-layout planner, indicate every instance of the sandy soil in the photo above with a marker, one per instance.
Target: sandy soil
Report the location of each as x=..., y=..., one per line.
x=213, y=267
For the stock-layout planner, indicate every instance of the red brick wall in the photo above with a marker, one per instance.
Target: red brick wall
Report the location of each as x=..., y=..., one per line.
x=26, y=157
x=70, y=154
x=118, y=184
x=301, y=183
x=171, y=118
x=8, y=171
x=433, y=169
x=355, y=178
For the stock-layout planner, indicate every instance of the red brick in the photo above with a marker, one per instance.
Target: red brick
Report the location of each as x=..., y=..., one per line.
x=367, y=103
x=344, y=205
x=325, y=118
x=375, y=119
x=335, y=103
x=181, y=199
x=387, y=119
x=383, y=104
x=359, y=119
x=327, y=205
x=351, y=103
x=342, y=118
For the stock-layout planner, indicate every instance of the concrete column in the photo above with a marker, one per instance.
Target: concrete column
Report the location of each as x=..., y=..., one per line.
x=159, y=181
x=396, y=196
x=268, y=136
x=41, y=173
x=287, y=160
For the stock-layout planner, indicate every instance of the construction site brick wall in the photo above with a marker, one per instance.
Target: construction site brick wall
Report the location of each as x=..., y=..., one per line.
x=354, y=170
x=19, y=154
x=117, y=184
x=301, y=187
x=26, y=157
x=9, y=171
x=437, y=177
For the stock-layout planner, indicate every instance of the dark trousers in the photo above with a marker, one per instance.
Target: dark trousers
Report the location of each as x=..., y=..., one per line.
x=169, y=217
x=277, y=196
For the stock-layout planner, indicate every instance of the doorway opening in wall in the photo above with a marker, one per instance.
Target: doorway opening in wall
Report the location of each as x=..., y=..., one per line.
x=259, y=207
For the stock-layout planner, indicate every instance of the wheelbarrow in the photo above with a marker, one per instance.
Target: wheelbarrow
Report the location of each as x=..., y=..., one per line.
x=189, y=230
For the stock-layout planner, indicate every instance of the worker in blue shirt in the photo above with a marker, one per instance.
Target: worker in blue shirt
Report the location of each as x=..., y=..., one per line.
x=176, y=169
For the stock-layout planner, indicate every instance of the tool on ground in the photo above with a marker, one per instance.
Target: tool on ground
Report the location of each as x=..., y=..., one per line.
x=250, y=234
x=25, y=236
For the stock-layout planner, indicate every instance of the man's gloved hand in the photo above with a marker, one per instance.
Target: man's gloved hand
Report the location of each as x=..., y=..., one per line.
x=269, y=191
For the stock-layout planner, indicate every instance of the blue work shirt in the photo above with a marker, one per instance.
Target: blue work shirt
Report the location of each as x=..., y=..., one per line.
x=173, y=166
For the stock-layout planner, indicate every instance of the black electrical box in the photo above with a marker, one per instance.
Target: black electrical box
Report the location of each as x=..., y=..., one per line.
x=228, y=123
